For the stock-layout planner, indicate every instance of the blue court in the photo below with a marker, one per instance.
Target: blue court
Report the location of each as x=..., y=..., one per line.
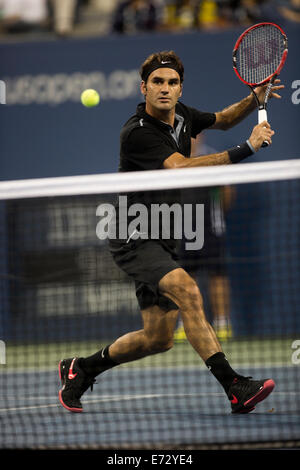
x=152, y=408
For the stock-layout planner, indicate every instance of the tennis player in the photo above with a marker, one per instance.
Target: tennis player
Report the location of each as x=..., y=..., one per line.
x=158, y=136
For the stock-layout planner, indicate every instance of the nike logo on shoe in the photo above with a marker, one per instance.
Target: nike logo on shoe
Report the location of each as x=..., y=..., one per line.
x=234, y=400
x=71, y=376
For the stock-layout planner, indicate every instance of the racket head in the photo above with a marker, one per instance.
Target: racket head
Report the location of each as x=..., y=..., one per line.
x=260, y=53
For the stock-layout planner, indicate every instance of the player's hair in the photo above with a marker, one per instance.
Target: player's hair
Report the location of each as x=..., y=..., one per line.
x=161, y=59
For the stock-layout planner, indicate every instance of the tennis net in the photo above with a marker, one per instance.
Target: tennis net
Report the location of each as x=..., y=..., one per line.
x=62, y=295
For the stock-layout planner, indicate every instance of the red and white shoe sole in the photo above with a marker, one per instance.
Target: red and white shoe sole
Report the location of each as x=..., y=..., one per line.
x=259, y=396
x=74, y=410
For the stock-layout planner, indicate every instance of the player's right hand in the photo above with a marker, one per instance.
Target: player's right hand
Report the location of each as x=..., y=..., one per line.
x=261, y=132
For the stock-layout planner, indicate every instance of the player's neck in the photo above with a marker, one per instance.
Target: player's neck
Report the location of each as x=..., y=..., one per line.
x=167, y=116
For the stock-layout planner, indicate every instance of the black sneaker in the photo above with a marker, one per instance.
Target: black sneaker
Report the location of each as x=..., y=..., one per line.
x=74, y=383
x=245, y=393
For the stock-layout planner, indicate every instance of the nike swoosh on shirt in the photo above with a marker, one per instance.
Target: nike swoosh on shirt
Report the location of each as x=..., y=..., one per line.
x=135, y=232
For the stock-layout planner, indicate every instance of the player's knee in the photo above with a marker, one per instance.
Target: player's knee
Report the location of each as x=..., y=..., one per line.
x=189, y=294
x=184, y=289
x=159, y=345
x=191, y=291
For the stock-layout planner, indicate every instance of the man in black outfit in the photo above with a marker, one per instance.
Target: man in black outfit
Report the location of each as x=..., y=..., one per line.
x=158, y=136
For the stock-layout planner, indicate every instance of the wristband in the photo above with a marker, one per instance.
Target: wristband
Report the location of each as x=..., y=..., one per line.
x=238, y=153
x=250, y=146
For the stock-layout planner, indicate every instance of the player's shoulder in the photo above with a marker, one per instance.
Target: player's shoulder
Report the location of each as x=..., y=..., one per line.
x=187, y=112
x=136, y=126
x=182, y=108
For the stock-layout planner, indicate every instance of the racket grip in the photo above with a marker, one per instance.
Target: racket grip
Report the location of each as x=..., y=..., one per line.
x=262, y=116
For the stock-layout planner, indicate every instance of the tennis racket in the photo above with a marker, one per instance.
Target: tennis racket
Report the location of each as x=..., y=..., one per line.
x=258, y=57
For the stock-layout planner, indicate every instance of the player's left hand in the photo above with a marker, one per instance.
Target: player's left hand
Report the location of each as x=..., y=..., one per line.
x=260, y=90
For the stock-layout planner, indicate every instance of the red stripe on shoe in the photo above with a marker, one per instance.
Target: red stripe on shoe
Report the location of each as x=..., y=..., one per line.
x=267, y=388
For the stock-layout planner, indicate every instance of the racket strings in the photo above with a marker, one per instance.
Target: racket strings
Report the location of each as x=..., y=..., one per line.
x=259, y=53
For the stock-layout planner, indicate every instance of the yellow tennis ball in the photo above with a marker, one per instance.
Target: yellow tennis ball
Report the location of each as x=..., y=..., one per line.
x=90, y=98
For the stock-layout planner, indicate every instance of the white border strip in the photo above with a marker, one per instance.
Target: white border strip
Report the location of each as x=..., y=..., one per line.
x=111, y=183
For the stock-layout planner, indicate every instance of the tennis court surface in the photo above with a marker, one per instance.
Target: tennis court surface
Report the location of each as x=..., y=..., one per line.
x=62, y=296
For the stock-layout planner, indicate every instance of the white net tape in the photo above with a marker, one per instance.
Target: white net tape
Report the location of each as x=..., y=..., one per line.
x=151, y=180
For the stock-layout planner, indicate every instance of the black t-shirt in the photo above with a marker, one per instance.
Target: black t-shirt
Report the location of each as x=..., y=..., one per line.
x=146, y=142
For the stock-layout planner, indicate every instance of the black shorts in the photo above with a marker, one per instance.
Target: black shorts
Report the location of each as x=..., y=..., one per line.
x=146, y=262
x=211, y=258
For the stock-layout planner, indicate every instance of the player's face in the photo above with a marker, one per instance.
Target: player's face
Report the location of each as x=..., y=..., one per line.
x=162, y=90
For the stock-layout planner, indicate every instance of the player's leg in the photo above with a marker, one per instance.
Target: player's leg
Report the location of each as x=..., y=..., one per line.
x=155, y=337
x=146, y=263
x=78, y=374
x=181, y=288
x=242, y=392
x=219, y=297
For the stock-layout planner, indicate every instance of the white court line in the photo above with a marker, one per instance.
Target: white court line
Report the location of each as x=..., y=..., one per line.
x=123, y=398
x=109, y=399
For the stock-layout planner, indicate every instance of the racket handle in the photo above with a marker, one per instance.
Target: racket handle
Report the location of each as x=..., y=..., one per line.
x=262, y=116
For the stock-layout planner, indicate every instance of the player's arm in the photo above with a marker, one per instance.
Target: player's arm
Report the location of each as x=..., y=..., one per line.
x=236, y=112
x=177, y=160
x=260, y=133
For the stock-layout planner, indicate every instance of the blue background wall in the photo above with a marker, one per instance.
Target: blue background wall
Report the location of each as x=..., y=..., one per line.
x=45, y=131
